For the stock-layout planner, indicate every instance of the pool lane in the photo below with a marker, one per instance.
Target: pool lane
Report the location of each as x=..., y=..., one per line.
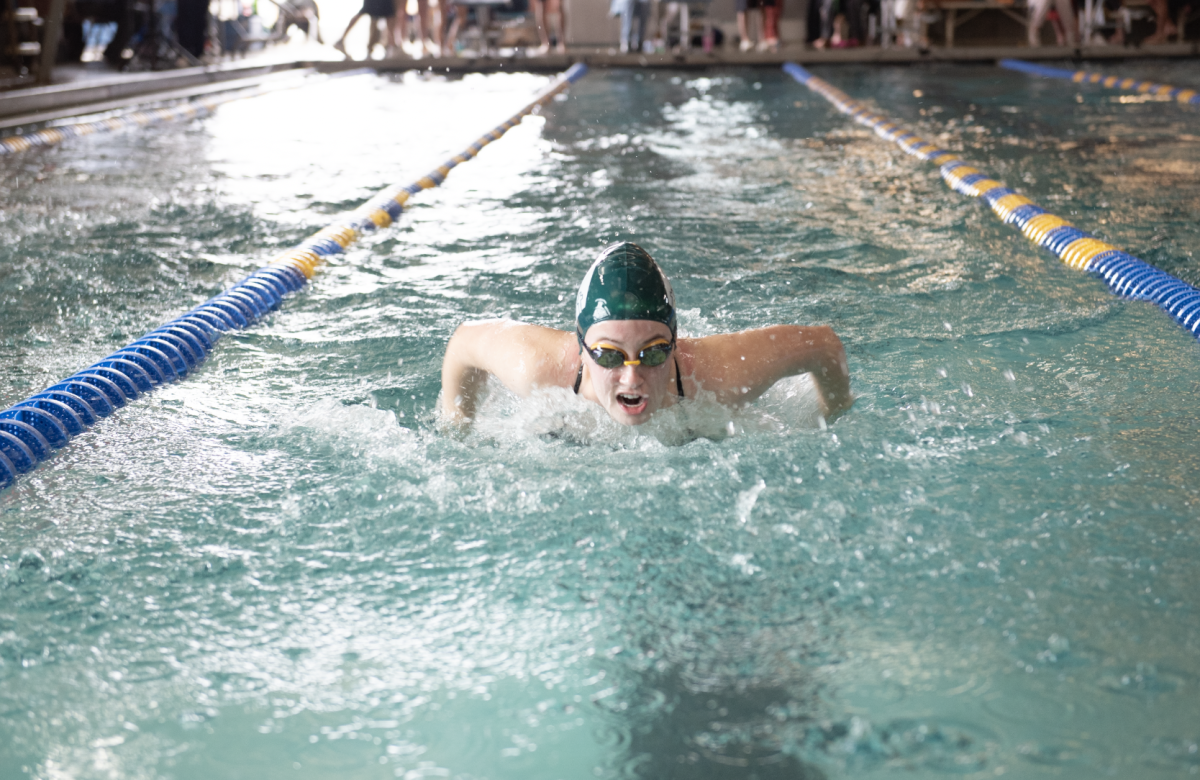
x=30, y=431
x=1126, y=275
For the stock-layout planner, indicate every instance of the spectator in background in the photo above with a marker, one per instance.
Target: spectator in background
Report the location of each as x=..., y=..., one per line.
x=1164, y=13
x=770, y=24
x=682, y=9
x=771, y=10
x=303, y=14
x=744, y=7
x=631, y=11
x=456, y=14
x=556, y=8
x=376, y=10
x=841, y=23
x=1038, y=9
x=426, y=43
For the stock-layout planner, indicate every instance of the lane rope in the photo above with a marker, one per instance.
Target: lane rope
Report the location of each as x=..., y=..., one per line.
x=30, y=431
x=1180, y=94
x=1126, y=275
x=49, y=136
x=146, y=117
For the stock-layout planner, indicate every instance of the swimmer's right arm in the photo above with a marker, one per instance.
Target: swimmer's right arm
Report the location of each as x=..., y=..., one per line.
x=523, y=357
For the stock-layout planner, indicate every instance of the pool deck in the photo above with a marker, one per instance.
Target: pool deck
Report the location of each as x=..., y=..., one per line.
x=91, y=90
x=799, y=54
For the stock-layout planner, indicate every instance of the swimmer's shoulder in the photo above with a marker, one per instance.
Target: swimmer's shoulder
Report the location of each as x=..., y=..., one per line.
x=556, y=353
x=728, y=364
x=544, y=357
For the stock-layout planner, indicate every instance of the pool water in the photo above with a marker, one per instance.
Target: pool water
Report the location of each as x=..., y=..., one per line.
x=281, y=568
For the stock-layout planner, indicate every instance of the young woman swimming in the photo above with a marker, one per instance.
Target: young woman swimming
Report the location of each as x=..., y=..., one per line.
x=624, y=354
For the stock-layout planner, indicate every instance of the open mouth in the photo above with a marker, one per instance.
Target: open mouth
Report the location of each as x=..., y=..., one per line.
x=631, y=402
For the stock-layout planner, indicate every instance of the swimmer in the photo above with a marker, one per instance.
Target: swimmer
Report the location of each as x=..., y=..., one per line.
x=624, y=354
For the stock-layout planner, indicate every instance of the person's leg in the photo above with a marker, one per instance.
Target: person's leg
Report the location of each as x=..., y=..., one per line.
x=314, y=19
x=560, y=26
x=670, y=11
x=743, y=28
x=626, y=23
x=401, y=25
x=539, y=20
x=455, y=22
x=340, y=44
x=373, y=36
x=642, y=9
x=1164, y=28
x=771, y=23
x=424, y=34
x=827, y=15
x=1037, y=16
x=855, y=27
x=390, y=49
x=1070, y=23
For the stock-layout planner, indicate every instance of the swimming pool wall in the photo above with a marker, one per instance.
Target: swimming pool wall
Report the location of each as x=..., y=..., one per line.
x=1126, y=275
x=30, y=431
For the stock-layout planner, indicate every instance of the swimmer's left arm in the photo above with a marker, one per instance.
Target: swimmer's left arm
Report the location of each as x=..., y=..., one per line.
x=740, y=367
x=522, y=356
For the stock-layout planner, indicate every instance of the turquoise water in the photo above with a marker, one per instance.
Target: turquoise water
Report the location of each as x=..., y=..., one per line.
x=280, y=568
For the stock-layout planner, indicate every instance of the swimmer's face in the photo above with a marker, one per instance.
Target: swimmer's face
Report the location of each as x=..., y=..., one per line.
x=630, y=394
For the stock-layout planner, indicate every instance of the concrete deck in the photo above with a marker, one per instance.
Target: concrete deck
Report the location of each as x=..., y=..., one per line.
x=799, y=54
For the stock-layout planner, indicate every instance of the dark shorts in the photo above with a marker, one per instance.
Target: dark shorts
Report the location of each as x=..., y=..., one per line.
x=379, y=9
x=749, y=5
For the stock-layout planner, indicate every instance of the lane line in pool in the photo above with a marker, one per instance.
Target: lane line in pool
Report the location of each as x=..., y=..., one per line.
x=1180, y=94
x=30, y=431
x=149, y=117
x=1126, y=275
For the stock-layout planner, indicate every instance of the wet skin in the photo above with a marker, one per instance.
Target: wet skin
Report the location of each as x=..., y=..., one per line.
x=630, y=394
x=731, y=368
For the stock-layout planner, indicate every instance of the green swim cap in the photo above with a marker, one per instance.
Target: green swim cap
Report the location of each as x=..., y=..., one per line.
x=624, y=284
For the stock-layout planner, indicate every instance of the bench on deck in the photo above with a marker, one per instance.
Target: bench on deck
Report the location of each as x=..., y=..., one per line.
x=959, y=12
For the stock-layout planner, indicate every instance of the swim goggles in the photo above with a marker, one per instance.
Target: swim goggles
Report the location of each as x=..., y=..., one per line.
x=653, y=354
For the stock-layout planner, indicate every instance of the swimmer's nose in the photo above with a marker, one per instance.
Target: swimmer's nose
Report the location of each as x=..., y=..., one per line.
x=629, y=370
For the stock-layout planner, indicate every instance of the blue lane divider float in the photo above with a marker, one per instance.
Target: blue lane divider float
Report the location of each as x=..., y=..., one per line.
x=34, y=428
x=1180, y=94
x=1126, y=275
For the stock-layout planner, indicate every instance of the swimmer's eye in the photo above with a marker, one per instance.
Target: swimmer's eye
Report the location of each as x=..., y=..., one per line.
x=651, y=355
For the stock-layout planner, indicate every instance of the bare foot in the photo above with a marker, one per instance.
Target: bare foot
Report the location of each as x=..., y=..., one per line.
x=1168, y=30
x=341, y=47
